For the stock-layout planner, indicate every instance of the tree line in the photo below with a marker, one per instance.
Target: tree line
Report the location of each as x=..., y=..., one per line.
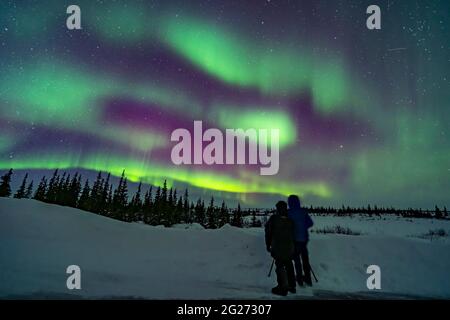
x=163, y=206
x=438, y=213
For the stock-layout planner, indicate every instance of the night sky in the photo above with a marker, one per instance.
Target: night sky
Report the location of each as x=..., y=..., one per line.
x=364, y=115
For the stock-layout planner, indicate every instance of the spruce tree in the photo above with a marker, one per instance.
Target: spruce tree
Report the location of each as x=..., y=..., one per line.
x=437, y=212
x=200, y=212
x=179, y=211
x=137, y=198
x=41, y=190
x=109, y=201
x=84, y=201
x=73, y=191
x=5, y=185
x=29, y=191
x=76, y=190
x=120, y=199
x=170, y=200
x=62, y=193
x=224, y=215
x=156, y=211
x=52, y=188
x=191, y=213
x=175, y=197
x=164, y=192
x=21, y=191
x=186, y=215
x=255, y=222
x=147, y=198
x=147, y=206
x=59, y=189
x=237, y=220
x=103, y=198
x=136, y=204
x=164, y=209
x=124, y=198
x=167, y=217
x=203, y=212
x=96, y=194
x=211, y=222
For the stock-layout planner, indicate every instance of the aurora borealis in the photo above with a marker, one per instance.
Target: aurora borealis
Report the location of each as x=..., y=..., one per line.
x=364, y=115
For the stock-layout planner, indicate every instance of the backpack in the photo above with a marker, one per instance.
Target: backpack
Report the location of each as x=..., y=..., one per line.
x=282, y=238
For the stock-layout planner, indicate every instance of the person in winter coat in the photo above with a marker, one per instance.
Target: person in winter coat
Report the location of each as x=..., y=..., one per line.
x=302, y=222
x=279, y=236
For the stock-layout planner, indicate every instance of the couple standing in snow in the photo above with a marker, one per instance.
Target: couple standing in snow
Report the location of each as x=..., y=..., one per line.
x=286, y=235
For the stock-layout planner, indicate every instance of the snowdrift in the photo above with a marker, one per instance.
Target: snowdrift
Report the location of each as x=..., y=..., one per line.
x=38, y=241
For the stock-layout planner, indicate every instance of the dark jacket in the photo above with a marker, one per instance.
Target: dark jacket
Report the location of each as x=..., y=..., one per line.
x=300, y=217
x=280, y=237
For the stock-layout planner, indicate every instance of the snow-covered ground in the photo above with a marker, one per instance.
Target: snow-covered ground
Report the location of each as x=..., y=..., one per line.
x=38, y=241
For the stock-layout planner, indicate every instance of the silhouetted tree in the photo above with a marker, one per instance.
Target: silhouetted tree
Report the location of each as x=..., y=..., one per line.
x=147, y=206
x=136, y=205
x=103, y=197
x=176, y=208
x=155, y=218
x=192, y=212
x=21, y=191
x=437, y=212
x=74, y=190
x=186, y=211
x=29, y=190
x=5, y=185
x=62, y=192
x=224, y=216
x=237, y=220
x=255, y=222
x=109, y=201
x=168, y=212
x=163, y=206
x=84, y=201
x=41, y=190
x=52, y=188
x=199, y=212
x=95, y=198
x=170, y=199
x=164, y=192
x=179, y=210
x=211, y=221
x=120, y=199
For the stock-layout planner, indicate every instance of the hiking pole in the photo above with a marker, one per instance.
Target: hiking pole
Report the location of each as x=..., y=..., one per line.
x=271, y=267
x=314, y=275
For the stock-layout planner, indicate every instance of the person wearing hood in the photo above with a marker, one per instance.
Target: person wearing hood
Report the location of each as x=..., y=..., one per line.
x=279, y=236
x=302, y=222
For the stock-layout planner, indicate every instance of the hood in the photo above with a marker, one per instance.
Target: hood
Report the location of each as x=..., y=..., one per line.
x=294, y=202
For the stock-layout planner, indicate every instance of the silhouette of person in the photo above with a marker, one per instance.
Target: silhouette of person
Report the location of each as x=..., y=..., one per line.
x=279, y=236
x=302, y=222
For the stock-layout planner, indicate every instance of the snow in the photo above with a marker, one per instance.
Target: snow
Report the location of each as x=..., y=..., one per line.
x=384, y=226
x=38, y=241
x=196, y=226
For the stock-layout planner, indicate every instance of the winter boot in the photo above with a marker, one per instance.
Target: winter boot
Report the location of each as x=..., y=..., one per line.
x=279, y=291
